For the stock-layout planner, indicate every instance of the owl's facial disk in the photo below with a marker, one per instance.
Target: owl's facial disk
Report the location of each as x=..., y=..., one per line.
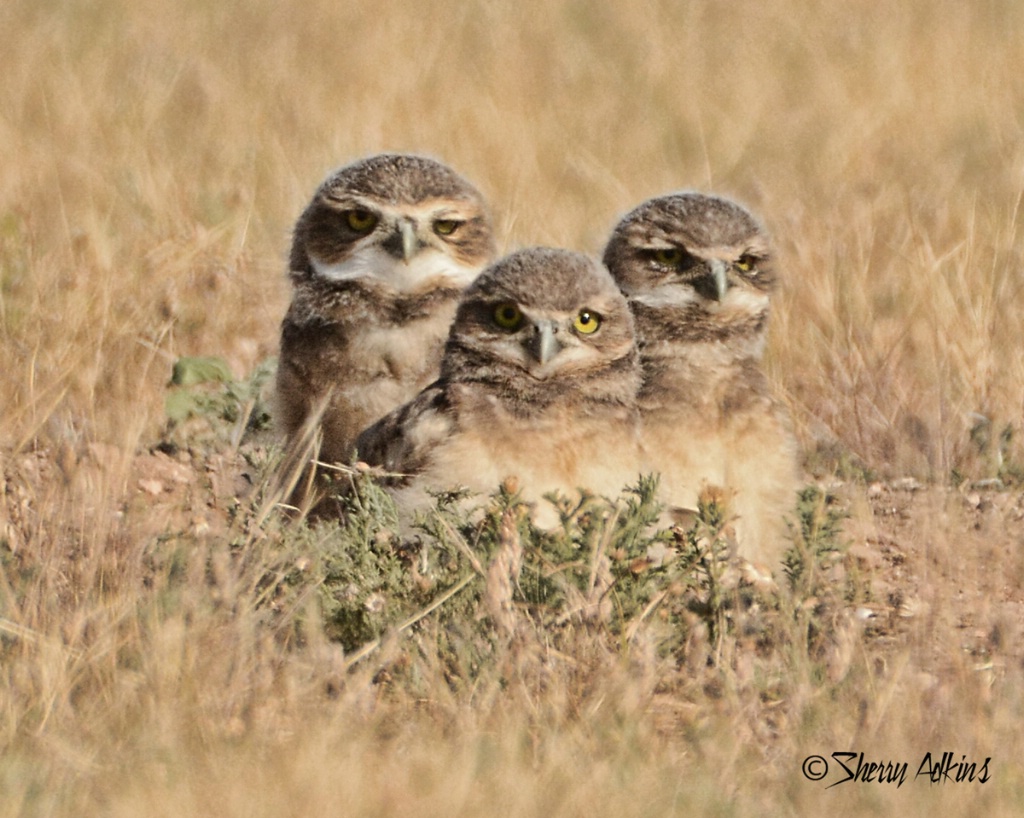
x=668, y=275
x=548, y=347
x=544, y=343
x=406, y=249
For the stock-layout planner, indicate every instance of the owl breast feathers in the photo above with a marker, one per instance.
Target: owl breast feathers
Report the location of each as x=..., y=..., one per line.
x=698, y=274
x=538, y=380
x=378, y=259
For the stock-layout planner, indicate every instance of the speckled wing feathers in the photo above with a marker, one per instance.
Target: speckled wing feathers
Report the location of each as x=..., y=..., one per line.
x=401, y=442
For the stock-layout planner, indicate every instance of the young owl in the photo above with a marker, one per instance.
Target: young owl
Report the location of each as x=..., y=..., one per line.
x=538, y=380
x=697, y=272
x=378, y=260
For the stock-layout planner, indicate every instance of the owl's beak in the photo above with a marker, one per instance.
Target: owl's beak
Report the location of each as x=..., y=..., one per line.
x=544, y=343
x=402, y=241
x=410, y=244
x=719, y=277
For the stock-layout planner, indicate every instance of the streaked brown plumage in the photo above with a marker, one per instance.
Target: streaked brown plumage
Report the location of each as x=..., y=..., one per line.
x=698, y=274
x=538, y=381
x=378, y=259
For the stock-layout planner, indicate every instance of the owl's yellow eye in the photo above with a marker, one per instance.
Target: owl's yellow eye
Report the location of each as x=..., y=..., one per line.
x=362, y=221
x=445, y=227
x=507, y=315
x=669, y=256
x=746, y=263
x=587, y=322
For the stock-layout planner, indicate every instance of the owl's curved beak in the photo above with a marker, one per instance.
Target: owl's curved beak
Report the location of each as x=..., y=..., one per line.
x=543, y=343
x=719, y=279
x=410, y=244
x=403, y=242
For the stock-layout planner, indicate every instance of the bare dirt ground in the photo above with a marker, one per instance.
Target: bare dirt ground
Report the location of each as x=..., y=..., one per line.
x=946, y=560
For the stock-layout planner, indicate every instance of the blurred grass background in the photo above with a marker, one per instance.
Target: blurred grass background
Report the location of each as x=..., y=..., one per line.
x=157, y=157
x=157, y=154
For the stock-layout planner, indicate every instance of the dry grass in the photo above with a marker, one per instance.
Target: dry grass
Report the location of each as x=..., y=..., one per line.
x=157, y=155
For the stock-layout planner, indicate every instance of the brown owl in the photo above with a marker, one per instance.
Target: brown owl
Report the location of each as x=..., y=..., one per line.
x=538, y=380
x=378, y=260
x=698, y=274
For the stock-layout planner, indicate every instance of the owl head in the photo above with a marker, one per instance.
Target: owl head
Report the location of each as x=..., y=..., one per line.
x=395, y=220
x=701, y=262
x=544, y=317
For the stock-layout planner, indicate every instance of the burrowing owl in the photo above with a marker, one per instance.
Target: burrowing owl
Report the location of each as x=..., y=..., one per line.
x=378, y=260
x=538, y=380
x=697, y=272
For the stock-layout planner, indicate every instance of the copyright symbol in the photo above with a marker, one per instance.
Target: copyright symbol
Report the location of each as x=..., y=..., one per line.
x=815, y=768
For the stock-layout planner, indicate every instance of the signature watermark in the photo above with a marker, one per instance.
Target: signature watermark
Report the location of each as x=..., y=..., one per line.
x=935, y=768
